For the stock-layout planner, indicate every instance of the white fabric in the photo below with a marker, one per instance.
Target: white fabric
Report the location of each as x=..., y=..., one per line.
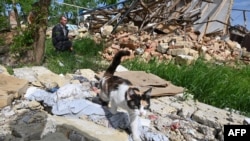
x=67, y=100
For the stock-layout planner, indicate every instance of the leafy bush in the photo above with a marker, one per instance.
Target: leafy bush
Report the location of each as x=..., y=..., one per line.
x=22, y=43
x=4, y=23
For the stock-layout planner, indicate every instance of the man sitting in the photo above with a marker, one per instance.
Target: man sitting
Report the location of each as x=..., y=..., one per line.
x=60, y=37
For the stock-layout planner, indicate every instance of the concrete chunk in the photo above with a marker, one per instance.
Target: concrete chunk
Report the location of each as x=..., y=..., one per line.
x=10, y=88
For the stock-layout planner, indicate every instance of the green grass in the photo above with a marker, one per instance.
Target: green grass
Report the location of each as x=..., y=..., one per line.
x=85, y=56
x=217, y=85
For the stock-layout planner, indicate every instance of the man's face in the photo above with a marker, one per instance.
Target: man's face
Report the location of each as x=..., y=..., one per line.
x=63, y=21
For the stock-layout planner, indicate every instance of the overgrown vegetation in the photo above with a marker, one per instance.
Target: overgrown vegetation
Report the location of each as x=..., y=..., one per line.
x=22, y=42
x=85, y=55
x=217, y=85
x=4, y=23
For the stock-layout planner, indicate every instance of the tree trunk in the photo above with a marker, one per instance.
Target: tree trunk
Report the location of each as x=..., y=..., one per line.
x=16, y=13
x=39, y=26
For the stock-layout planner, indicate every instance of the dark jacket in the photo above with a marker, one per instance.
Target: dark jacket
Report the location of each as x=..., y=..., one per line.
x=58, y=35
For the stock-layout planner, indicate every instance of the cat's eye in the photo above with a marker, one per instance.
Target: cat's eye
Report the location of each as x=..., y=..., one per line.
x=132, y=105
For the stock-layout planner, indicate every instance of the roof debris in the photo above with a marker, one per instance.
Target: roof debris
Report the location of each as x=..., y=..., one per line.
x=205, y=16
x=183, y=30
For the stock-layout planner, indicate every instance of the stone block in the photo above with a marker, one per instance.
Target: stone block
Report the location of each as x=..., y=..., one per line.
x=178, y=51
x=5, y=99
x=215, y=117
x=184, y=59
x=162, y=47
x=10, y=88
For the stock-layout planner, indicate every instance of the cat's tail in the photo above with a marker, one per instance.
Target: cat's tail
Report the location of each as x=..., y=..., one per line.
x=116, y=61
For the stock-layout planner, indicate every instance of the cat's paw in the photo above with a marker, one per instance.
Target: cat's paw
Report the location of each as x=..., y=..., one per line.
x=137, y=139
x=113, y=112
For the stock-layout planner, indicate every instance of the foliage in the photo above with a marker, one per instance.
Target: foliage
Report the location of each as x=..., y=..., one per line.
x=10, y=70
x=23, y=6
x=56, y=9
x=4, y=23
x=1, y=42
x=22, y=43
x=71, y=9
x=217, y=85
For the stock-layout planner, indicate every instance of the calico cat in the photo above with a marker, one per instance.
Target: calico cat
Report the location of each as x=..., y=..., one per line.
x=121, y=93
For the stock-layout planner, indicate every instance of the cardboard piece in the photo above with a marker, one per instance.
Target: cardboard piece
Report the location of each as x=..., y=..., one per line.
x=145, y=80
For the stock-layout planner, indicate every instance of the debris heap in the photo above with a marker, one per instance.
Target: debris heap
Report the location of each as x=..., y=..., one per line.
x=206, y=16
x=183, y=30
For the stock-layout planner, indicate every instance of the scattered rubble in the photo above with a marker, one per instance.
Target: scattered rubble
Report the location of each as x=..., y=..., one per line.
x=181, y=46
x=43, y=115
x=175, y=46
x=169, y=30
x=201, y=14
x=41, y=105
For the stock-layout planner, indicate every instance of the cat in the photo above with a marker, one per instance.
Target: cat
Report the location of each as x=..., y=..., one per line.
x=121, y=93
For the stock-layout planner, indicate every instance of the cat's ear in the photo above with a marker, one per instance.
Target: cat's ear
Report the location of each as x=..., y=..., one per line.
x=131, y=91
x=147, y=93
x=135, y=89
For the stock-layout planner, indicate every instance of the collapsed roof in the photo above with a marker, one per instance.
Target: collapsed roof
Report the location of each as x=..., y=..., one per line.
x=205, y=16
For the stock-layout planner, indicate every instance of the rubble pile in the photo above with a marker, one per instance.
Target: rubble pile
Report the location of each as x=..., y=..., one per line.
x=201, y=14
x=182, y=46
x=37, y=104
x=69, y=114
x=165, y=29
